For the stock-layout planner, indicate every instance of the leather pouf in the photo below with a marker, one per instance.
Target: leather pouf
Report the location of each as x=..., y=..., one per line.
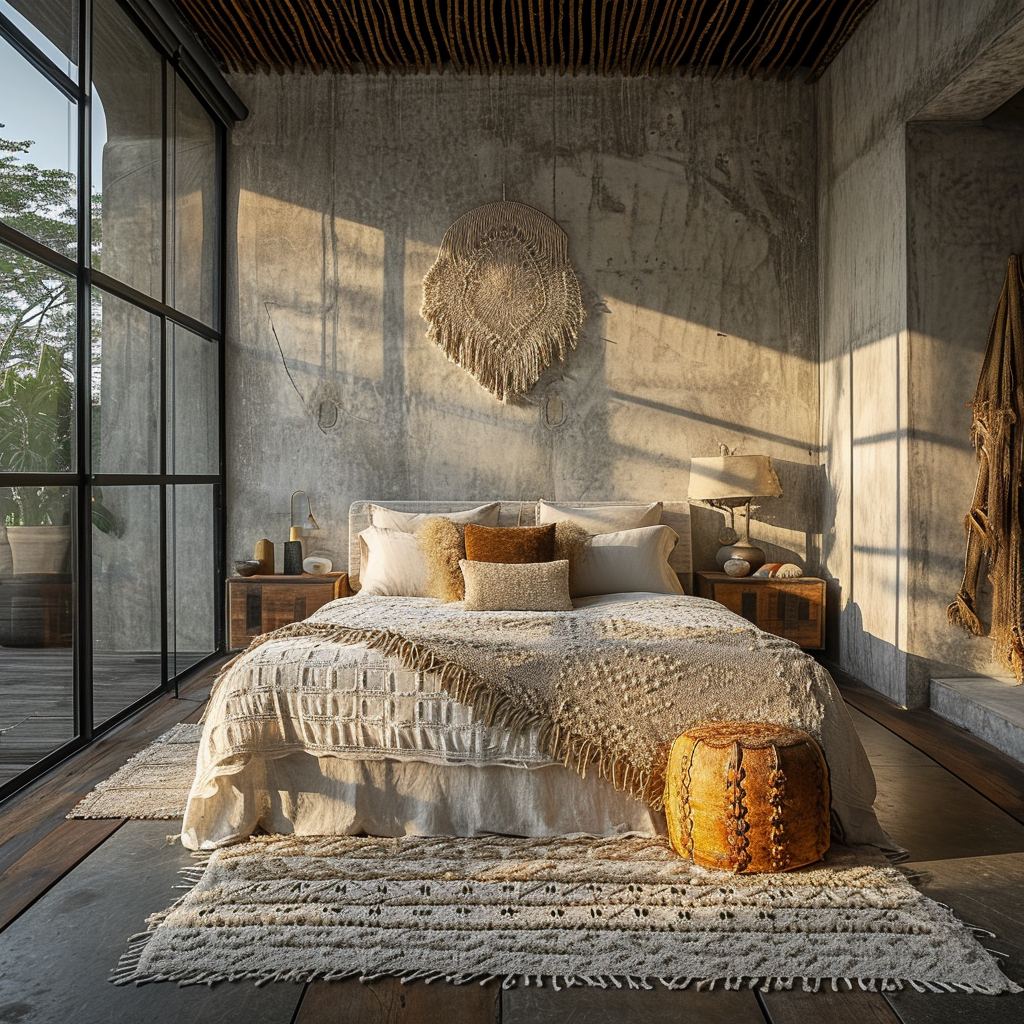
x=747, y=796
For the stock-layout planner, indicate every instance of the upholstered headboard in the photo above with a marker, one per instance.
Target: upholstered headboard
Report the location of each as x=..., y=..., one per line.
x=519, y=513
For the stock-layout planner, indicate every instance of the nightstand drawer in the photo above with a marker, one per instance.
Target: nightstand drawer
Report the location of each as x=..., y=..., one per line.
x=258, y=604
x=793, y=608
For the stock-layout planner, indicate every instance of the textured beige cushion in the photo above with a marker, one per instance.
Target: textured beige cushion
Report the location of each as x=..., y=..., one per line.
x=520, y=587
x=628, y=561
x=393, y=565
x=601, y=518
x=410, y=522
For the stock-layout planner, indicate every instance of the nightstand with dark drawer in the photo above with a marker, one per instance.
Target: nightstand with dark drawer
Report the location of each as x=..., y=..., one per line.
x=258, y=604
x=793, y=608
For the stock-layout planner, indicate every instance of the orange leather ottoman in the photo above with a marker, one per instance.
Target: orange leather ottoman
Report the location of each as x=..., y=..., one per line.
x=747, y=796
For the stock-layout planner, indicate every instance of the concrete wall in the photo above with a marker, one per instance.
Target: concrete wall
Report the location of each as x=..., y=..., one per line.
x=965, y=215
x=690, y=211
x=936, y=58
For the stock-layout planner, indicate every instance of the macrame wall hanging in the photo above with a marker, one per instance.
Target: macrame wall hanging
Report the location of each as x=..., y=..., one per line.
x=994, y=527
x=502, y=301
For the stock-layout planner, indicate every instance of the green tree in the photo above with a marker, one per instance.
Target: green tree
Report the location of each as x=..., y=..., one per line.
x=38, y=315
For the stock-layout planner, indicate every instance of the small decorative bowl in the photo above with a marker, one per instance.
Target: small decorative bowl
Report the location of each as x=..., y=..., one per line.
x=247, y=567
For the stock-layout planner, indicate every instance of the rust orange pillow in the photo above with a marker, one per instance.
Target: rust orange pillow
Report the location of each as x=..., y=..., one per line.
x=510, y=544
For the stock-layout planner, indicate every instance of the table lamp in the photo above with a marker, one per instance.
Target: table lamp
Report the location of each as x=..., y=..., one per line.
x=727, y=482
x=293, y=548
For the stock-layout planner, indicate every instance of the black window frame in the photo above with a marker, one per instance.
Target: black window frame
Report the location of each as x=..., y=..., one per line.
x=180, y=55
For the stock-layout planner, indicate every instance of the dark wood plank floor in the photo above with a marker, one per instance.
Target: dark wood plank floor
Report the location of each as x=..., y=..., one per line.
x=37, y=700
x=72, y=891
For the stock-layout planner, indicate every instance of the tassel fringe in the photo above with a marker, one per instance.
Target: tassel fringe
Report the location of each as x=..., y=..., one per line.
x=467, y=688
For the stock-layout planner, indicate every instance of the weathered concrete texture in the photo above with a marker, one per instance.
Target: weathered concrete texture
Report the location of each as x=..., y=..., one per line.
x=902, y=56
x=991, y=79
x=965, y=209
x=689, y=207
x=992, y=709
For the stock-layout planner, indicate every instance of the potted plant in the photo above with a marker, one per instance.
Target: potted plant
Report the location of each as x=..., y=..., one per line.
x=38, y=328
x=35, y=436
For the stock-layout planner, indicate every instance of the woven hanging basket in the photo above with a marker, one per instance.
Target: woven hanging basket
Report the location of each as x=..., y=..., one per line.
x=501, y=300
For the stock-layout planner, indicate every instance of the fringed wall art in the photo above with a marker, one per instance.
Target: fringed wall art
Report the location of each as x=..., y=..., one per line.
x=501, y=300
x=994, y=527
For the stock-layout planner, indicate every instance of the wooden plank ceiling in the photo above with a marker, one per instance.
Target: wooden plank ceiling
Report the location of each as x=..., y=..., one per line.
x=632, y=37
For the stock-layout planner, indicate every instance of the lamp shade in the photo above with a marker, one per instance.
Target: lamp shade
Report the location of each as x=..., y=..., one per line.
x=733, y=476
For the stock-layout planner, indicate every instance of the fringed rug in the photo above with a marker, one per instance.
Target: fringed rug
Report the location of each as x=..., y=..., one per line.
x=154, y=784
x=625, y=911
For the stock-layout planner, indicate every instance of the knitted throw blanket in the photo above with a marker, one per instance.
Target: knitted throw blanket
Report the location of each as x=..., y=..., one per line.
x=610, y=685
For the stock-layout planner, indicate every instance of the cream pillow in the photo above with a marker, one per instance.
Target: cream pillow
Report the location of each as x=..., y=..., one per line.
x=391, y=564
x=628, y=561
x=517, y=586
x=410, y=522
x=601, y=518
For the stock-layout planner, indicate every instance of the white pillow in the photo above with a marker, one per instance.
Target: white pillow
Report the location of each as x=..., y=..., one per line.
x=391, y=564
x=600, y=518
x=628, y=561
x=410, y=522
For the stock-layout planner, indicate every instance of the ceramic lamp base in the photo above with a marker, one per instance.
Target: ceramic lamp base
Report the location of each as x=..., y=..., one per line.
x=749, y=553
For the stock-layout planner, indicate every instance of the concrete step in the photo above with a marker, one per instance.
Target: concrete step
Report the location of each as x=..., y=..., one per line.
x=992, y=708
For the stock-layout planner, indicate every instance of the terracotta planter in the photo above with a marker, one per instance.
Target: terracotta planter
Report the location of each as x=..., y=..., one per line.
x=39, y=549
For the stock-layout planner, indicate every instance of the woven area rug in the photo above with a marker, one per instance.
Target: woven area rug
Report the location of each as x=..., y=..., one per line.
x=621, y=911
x=154, y=784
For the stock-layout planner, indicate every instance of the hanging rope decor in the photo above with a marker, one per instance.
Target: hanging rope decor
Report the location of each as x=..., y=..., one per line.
x=501, y=300
x=994, y=527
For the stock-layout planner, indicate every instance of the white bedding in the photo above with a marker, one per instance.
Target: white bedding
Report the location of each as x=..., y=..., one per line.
x=312, y=737
x=363, y=744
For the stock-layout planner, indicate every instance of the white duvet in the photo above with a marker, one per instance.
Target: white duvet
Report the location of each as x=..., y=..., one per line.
x=311, y=737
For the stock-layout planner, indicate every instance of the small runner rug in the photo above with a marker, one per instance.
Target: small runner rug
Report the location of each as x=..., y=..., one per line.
x=154, y=784
x=625, y=911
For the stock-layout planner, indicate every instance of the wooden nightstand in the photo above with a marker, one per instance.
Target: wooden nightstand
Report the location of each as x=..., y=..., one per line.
x=793, y=608
x=258, y=604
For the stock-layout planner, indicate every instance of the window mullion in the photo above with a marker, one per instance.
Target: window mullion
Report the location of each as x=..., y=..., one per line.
x=83, y=700
x=40, y=61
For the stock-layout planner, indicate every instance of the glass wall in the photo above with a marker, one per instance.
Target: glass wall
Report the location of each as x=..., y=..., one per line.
x=111, y=193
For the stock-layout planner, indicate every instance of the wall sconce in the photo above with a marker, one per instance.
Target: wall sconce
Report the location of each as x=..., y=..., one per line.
x=727, y=482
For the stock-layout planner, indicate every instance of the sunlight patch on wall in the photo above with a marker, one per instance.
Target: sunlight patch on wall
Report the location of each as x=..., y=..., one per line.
x=706, y=375
x=649, y=453
x=321, y=283
x=359, y=298
x=877, y=443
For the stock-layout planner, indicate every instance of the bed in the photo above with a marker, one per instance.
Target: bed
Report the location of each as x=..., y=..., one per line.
x=388, y=714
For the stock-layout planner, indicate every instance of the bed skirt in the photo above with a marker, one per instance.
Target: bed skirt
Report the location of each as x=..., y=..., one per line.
x=301, y=794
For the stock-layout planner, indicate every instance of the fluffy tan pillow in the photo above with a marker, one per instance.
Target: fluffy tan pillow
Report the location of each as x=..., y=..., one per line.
x=571, y=542
x=442, y=543
x=517, y=587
